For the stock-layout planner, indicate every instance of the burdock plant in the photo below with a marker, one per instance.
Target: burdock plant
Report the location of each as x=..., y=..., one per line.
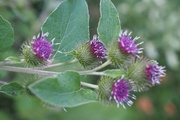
x=113, y=55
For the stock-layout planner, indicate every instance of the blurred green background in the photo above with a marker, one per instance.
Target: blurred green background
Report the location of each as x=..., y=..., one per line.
x=157, y=22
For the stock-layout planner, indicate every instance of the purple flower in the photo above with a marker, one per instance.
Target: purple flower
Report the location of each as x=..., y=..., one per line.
x=128, y=45
x=154, y=72
x=120, y=92
x=97, y=48
x=41, y=47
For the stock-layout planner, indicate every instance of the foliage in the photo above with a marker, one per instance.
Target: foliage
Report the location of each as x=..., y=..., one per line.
x=6, y=39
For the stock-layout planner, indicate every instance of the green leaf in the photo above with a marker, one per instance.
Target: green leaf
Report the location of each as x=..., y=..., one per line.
x=114, y=73
x=62, y=90
x=6, y=35
x=11, y=89
x=69, y=25
x=13, y=59
x=109, y=23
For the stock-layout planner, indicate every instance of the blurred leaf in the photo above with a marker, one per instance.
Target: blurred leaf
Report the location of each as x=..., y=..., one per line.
x=151, y=50
x=13, y=59
x=4, y=116
x=69, y=25
x=114, y=73
x=62, y=90
x=172, y=59
x=11, y=89
x=6, y=35
x=109, y=23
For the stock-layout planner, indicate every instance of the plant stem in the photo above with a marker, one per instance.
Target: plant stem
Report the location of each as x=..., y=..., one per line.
x=108, y=62
x=82, y=83
x=90, y=85
x=27, y=70
x=90, y=73
x=59, y=64
x=42, y=72
x=3, y=83
x=8, y=63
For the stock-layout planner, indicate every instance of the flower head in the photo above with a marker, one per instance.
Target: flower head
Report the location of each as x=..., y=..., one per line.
x=41, y=47
x=97, y=48
x=84, y=55
x=38, y=51
x=154, y=72
x=127, y=45
x=121, y=92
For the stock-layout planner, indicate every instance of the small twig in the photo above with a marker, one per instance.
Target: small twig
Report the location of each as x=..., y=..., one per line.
x=90, y=73
x=43, y=72
x=82, y=83
x=58, y=64
x=8, y=63
x=108, y=62
x=3, y=83
x=90, y=85
x=27, y=70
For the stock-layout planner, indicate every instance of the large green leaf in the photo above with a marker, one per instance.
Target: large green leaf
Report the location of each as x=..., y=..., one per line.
x=109, y=23
x=62, y=90
x=6, y=35
x=11, y=89
x=69, y=25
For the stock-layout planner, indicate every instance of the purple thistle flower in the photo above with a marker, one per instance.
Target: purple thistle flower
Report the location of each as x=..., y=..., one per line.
x=97, y=48
x=41, y=47
x=120, y=92
x=154, y=72
x=128, y=45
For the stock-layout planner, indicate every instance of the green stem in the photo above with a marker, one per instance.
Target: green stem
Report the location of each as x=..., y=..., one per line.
x=43, y=72
x=27, y=70
x=3, y=83
x=90, y=85
x=90, y=73
x=108, y=62
x=48, y=73
x=82, y=83
x=8, y=63
x=59, y=64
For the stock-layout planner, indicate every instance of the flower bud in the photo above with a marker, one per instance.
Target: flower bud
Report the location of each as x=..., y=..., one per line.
x=84, y=55
x=144, y=73
x=116, y=91
x=117, y=57
x=124, y=50
x=154, y=72
x=91, y=53
x=127, y=45
x=38, y=51
x=97, y=48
